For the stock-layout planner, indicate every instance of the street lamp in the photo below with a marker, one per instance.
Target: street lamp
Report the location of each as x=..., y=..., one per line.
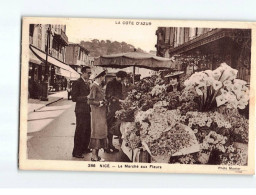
x=44, y=96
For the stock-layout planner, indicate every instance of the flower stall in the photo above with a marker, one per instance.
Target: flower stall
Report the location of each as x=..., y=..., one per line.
x=200, y=124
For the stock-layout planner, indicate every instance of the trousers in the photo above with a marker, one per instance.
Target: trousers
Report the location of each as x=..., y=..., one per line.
x=82, y=133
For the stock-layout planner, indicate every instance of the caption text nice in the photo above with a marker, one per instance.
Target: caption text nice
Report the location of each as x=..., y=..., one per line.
x=125, y=166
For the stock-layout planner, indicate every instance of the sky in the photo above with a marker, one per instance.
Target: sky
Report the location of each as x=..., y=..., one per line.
x=130, y=31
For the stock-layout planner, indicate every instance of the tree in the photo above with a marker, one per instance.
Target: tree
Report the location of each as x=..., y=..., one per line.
x=102, y=47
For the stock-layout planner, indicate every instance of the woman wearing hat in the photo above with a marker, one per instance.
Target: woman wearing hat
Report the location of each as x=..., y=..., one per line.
x=98, y=114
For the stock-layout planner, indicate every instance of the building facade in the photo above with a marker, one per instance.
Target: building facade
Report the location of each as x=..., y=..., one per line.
x=77, y=56
x=232, y=46
x=41, y=36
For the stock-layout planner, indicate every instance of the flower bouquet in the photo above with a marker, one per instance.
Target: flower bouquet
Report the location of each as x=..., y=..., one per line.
x=162, y=133
x=219, y=86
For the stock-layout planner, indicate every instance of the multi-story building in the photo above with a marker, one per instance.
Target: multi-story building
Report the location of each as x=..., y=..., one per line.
x=232, y=46
x=77, y=56
x=53, y=36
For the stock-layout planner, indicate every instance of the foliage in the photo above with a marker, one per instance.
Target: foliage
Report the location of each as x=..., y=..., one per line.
x=102, y=47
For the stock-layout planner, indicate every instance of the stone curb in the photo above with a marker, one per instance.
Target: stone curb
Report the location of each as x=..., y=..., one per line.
x=46, y=105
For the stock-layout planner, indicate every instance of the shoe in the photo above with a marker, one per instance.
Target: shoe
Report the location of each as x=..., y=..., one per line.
x=111, y=150
x=99, y=159
x=78, y=156
x=87, y=151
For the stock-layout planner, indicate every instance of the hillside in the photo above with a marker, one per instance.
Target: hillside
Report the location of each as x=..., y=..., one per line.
x=101, y=47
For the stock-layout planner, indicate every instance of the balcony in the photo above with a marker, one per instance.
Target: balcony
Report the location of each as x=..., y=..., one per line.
x=61, y=37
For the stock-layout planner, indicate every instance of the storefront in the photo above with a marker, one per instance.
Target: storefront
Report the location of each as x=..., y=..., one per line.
x=35, y=75
x=232, y=46
x=58, y=73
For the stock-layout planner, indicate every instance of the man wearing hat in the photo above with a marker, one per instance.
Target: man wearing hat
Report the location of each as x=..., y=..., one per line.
x=114, y=96
x=80, y=91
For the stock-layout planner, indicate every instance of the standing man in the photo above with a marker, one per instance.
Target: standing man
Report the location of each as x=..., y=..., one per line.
x=79, y=93
x=114, y=97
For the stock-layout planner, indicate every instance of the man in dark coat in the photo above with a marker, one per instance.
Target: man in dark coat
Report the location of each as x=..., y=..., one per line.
x=79, y=93
x=114, y=97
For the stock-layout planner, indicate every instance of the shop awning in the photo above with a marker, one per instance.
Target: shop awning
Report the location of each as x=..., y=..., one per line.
x=33, y=58
x=64, y=69
x=174, y=74
x=136, y=59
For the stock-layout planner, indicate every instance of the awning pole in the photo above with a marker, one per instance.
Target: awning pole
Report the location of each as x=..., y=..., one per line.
x=44, y=94
x=133, y=74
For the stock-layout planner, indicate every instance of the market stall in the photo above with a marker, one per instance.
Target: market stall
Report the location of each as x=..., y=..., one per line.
x=198, y=124
x=134, y=59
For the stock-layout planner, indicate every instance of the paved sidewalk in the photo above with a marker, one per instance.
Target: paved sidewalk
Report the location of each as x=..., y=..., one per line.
x=36, y=104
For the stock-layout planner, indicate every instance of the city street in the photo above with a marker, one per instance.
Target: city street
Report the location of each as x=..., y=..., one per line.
x=51, y=133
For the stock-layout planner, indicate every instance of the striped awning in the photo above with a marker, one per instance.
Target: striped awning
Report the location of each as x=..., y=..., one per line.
x=64, y=69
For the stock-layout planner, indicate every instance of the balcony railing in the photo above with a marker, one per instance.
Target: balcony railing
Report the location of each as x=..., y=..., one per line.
x=61, y=36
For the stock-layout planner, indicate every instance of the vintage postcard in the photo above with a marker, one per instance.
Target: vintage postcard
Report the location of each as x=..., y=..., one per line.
x=133, y=95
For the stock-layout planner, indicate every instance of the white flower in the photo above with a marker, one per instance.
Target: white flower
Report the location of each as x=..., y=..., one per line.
x=221, y=100
x=242, y=104
x=208, y=124
x=187, y=82
x=161, y=104
x=224, y=92
x=227, y=125
x=198, y=91
x=227, y=84
x=210, y=140
x=216, y=74
x=222, y=148
x=158, y=89
x=236, y=89
x=209, y=81
x=209, y=73
x=217, y=85
x=228, y=72
x=245, y=95
x=239, y=82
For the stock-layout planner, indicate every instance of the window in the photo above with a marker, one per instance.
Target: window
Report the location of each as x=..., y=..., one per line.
x=79, y=53
x=39, y=36
x=31, y=29
x=196, y=34
x=31, y=33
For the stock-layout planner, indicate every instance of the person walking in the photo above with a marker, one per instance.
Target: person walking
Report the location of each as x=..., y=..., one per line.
x=79, y=93
x=114, y=97
x=68, y=87
x=97, y=102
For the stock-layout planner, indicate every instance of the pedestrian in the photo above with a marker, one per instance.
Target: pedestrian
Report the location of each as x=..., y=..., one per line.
x=114, y=97
x=97, y=102
x=69, y=88
x=79, y=93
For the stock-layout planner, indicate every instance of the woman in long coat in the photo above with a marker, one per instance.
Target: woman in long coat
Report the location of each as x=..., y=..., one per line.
x=98, y=116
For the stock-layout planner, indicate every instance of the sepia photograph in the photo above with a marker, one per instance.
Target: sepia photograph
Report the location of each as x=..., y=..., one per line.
x=137, y=95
